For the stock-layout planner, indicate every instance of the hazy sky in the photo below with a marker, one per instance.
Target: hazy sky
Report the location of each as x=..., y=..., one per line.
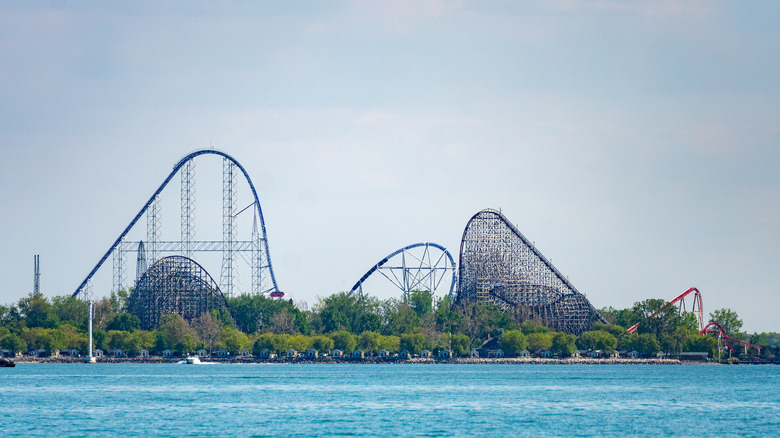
x=636, y=142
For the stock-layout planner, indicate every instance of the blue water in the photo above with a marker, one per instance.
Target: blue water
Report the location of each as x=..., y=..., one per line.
x=389, y=400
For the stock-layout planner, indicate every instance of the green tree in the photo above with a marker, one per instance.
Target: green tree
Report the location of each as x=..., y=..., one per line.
x=729, y=321
x=597, y=340
x=234, y=340
x=174, y=329
x=37, y=312
x=71, y=310
x=414, y=343
x=400, y=318
x=540, y=341
x=13, y=343
x=460, y=344
x=271, y=342
x=641, y=342
x=513, y=341
x=370, y=341
x=125, y=322
x=563, y=344
x=322, y=343
x=421, y=302
x=344, y=341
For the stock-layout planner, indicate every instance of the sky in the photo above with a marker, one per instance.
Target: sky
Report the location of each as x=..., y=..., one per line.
x=635, y=142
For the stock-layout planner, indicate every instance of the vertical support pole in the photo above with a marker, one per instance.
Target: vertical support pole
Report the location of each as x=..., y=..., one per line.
x=91, y=315
x=228, y=225
x=153, y=229
x=187, y=207
x=37, y=274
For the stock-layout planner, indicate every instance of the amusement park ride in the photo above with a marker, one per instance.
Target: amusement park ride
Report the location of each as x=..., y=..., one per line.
x=696, y=309
x=497, y=263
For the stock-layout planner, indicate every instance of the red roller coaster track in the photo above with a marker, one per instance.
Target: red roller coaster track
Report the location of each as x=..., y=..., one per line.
x=710, y=328
x=696, y=308
x=715, y=328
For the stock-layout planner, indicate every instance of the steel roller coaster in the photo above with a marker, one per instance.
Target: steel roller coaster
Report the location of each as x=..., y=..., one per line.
x=230, y=246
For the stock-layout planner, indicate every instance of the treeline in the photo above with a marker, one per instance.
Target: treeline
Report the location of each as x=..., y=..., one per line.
x=348, y=322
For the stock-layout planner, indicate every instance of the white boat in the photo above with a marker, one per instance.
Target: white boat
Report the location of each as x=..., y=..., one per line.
x=192, y=360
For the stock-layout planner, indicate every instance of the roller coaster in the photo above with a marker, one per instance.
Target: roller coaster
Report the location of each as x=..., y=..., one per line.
x=179, y=284
x=696, y=308
x=497, y=263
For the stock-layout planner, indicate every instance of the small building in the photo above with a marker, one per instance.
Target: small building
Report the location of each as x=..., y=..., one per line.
x=426, y=354
x=5, y=353
x=168, y=353
x=292, y=353
x=358, y=354
x=694, y=355
x=337, y=353
x=264, y=354
x=246, y=353
x=633, y=354
x=202, y=353
x=525, y=353
x=545, y=354
x=222, y=353
x=312, y=354
x=404, y=354
x=117, y=352
x=474, y=353
x=72, y=352
x=445, y=354
x=497, y=353
x=143, y=353
x=384, y=354
x=38, y=353
x=98, y=353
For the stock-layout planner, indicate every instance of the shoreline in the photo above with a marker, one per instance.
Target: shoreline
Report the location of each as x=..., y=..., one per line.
x=379, y=361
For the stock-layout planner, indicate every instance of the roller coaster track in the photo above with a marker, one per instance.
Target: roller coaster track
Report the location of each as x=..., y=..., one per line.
x=414, y=277
x=696, y=308
x=715, y=328
x=157, y=192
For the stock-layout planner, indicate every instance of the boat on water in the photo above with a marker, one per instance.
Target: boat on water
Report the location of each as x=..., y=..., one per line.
x=192, y=360
x=7, y=363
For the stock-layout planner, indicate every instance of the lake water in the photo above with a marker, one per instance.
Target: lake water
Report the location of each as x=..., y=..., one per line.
x=389, y=400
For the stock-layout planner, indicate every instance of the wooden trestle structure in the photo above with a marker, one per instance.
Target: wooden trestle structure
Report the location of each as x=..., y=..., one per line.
x=499, y=265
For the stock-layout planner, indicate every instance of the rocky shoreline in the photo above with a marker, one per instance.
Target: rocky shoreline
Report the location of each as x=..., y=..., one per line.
x=330, y=360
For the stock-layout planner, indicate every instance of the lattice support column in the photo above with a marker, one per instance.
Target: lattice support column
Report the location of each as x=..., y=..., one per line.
x=120, y=269
x=153, y=214
x=257, y=259
x=187, y=207
x=228, y=226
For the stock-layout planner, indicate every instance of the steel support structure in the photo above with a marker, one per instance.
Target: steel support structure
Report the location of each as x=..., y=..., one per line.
x=263, y=277
x=120, y=270
x=422, y=267
x=499, y=265
x=187, y=206
x=257, y=258
x=227, y=278
x=153, y=214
